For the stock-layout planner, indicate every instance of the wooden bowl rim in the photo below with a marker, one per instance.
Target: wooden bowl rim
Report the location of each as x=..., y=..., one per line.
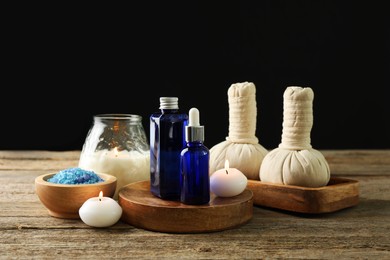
x=42, y=180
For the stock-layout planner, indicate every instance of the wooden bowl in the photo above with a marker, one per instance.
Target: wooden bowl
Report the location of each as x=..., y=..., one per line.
x=65, y=200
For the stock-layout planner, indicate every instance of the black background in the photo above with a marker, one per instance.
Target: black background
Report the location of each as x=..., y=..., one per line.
x=64, y=64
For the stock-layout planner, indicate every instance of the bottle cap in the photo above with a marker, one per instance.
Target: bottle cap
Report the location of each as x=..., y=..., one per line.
x=194, y=131
x=169, y=103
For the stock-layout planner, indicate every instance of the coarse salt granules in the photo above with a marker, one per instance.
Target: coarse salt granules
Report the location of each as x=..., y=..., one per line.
x=75, y=176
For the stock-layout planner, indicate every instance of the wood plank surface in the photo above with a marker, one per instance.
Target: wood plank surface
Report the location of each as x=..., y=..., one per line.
x=360, y=232
x=341, y=162
x=358, y=162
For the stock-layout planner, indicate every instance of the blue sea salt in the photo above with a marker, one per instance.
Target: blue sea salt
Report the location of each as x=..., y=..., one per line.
x=75, y=176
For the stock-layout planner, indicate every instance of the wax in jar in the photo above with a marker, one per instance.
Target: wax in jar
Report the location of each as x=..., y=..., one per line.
x=126, y=166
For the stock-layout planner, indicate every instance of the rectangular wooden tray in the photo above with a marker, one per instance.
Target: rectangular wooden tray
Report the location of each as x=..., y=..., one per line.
x=340, y=193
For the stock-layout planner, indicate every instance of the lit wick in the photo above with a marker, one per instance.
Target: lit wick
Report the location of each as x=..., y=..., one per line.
x=100, y=195
x=226, y=166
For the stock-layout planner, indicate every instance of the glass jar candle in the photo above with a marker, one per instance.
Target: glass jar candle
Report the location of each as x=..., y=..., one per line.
x=116, y=144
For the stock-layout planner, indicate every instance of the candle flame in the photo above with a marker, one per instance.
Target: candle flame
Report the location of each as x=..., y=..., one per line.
x=226, y=166
x=100, y=195
x=116, y=152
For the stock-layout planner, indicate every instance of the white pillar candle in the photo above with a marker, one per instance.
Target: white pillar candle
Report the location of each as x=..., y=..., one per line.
x=228, y=182
x=100, y=211
x=126, y=166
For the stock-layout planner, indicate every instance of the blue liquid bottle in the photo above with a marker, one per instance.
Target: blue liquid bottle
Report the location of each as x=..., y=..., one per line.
x=167, y=140
x=194, y=163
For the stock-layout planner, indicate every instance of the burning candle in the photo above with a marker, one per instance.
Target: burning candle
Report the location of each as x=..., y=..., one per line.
x=228, y=182
x=100, y=211
x=126, y=166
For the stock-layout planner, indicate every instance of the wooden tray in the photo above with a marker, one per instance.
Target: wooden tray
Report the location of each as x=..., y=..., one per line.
x=340, y=193
x=143, y=210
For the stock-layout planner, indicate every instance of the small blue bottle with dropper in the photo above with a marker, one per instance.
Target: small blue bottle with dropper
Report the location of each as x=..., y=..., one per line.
x=194, y=164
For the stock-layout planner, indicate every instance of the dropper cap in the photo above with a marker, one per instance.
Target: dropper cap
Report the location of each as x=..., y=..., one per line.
x=194, y=131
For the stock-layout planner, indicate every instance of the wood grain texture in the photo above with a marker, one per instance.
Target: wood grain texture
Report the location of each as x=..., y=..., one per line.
x=142, y=209
x=359, y=232
x=358, y=162
x=38, y=160
x=341, y=162
x=340, y=193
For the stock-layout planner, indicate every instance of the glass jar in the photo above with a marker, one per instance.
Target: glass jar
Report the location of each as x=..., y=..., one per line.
x=116, y=144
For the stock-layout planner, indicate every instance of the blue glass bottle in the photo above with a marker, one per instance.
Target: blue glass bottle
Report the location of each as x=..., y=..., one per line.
x=194, y=163
x=167, y=140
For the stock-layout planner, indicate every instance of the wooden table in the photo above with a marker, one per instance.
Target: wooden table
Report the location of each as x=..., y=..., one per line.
x=359, y=232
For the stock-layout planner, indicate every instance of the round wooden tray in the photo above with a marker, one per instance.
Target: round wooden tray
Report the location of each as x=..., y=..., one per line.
x=144, y=210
